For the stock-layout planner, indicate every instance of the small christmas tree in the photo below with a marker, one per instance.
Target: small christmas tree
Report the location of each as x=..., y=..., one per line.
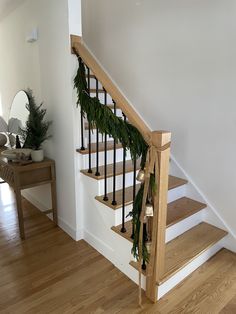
x=36, y=130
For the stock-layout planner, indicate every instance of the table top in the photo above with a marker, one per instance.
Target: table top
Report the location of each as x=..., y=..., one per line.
x=15, y=166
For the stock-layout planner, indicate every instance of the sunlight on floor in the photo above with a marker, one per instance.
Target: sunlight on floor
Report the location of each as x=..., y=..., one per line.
x=6, y=197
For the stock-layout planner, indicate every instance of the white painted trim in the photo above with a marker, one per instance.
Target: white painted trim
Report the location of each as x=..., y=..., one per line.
x=184, y=225
x=34, y=201
x=74, y=234
x=99, y=245
x=204, y=198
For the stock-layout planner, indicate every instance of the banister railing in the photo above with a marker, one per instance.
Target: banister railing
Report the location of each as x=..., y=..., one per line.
x=110, y=87
x=158, y=157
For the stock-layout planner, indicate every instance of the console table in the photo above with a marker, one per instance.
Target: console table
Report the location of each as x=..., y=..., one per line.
x=21, y=177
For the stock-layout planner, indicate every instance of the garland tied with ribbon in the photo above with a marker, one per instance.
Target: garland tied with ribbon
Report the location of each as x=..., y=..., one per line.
x=106, y=122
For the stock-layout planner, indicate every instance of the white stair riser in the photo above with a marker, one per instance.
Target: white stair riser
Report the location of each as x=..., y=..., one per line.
x=184, y=225
x=94, y=137
x=101, y=97
x=176, y=193
x=98, y=220
x=96, y=187
x=93, y=83
x=173, y=194
x=118, y=214
x=119, y=183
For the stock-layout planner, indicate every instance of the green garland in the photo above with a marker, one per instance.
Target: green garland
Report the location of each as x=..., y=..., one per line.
x=122, y=131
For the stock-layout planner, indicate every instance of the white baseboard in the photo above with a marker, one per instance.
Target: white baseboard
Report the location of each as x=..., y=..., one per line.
x=99, y=245
x=74, y=234
x=212, y=215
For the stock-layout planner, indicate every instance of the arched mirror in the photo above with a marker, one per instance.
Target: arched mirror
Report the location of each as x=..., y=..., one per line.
x=18, y=113
x=18, y=117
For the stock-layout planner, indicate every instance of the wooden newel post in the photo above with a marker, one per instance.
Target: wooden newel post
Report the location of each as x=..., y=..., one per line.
x=156, y=267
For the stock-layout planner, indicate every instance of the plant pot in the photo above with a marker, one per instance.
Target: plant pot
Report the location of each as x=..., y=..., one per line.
x=37, y=155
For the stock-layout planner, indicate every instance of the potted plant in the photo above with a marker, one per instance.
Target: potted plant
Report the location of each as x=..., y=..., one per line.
x=36, y=130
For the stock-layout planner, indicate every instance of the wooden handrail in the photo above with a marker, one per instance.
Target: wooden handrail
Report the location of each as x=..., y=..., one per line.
x=155, y=268
x=117, y=96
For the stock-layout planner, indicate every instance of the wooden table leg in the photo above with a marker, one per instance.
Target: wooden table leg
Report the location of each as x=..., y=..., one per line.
x=20, y=213
x=54, y=202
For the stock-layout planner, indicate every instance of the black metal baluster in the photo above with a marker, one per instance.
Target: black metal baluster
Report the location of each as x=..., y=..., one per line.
x=82, y=123
x=105, y=198
x=123, y=229
x=114, y=165
x=89, y=128
x=134, y=193
x=144, y=265
x=97, y=174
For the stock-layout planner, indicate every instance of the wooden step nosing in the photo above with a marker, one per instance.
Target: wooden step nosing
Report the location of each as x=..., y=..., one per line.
x=93, y=151
x=187, y=215
x=183, y=182
x=109, y=175
x=93, y=90
x=108, y=203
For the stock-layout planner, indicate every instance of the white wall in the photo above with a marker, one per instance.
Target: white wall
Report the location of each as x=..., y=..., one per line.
x=175, y=61
x=19, y=60
x=75, y=25
x=45, y=66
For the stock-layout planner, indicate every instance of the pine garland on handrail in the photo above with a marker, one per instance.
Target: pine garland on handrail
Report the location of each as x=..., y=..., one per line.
x=122, y=131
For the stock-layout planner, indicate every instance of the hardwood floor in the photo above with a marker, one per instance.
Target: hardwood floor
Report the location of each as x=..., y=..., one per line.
x=51, y=273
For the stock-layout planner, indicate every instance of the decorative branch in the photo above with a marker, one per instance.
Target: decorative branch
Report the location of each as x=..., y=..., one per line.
x=122, y=131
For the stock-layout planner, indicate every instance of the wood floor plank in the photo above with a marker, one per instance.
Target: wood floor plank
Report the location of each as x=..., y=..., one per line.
x=51, y=273
x=174, y=182
x=230, y=307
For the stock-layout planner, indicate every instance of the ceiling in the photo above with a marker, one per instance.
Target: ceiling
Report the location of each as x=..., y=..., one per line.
x=7, y=6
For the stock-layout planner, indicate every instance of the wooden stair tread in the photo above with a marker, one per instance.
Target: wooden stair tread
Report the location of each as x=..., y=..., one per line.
x=91, y=76
x=173, y=183
x=176, y=211
x=93, y=90
x=119, y=170
x=188, y=246
x=181, y=209
x=110, y=145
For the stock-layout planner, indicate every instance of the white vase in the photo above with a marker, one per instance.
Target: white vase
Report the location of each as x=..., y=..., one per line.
x=37, y=155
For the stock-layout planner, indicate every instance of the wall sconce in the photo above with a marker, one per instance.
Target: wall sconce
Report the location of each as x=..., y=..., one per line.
x=32, y=36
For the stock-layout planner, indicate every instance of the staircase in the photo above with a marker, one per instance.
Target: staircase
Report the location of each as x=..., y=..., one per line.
x=110, y=187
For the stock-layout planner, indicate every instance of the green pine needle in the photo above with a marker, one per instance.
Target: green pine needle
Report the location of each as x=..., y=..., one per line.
x=122, y=131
